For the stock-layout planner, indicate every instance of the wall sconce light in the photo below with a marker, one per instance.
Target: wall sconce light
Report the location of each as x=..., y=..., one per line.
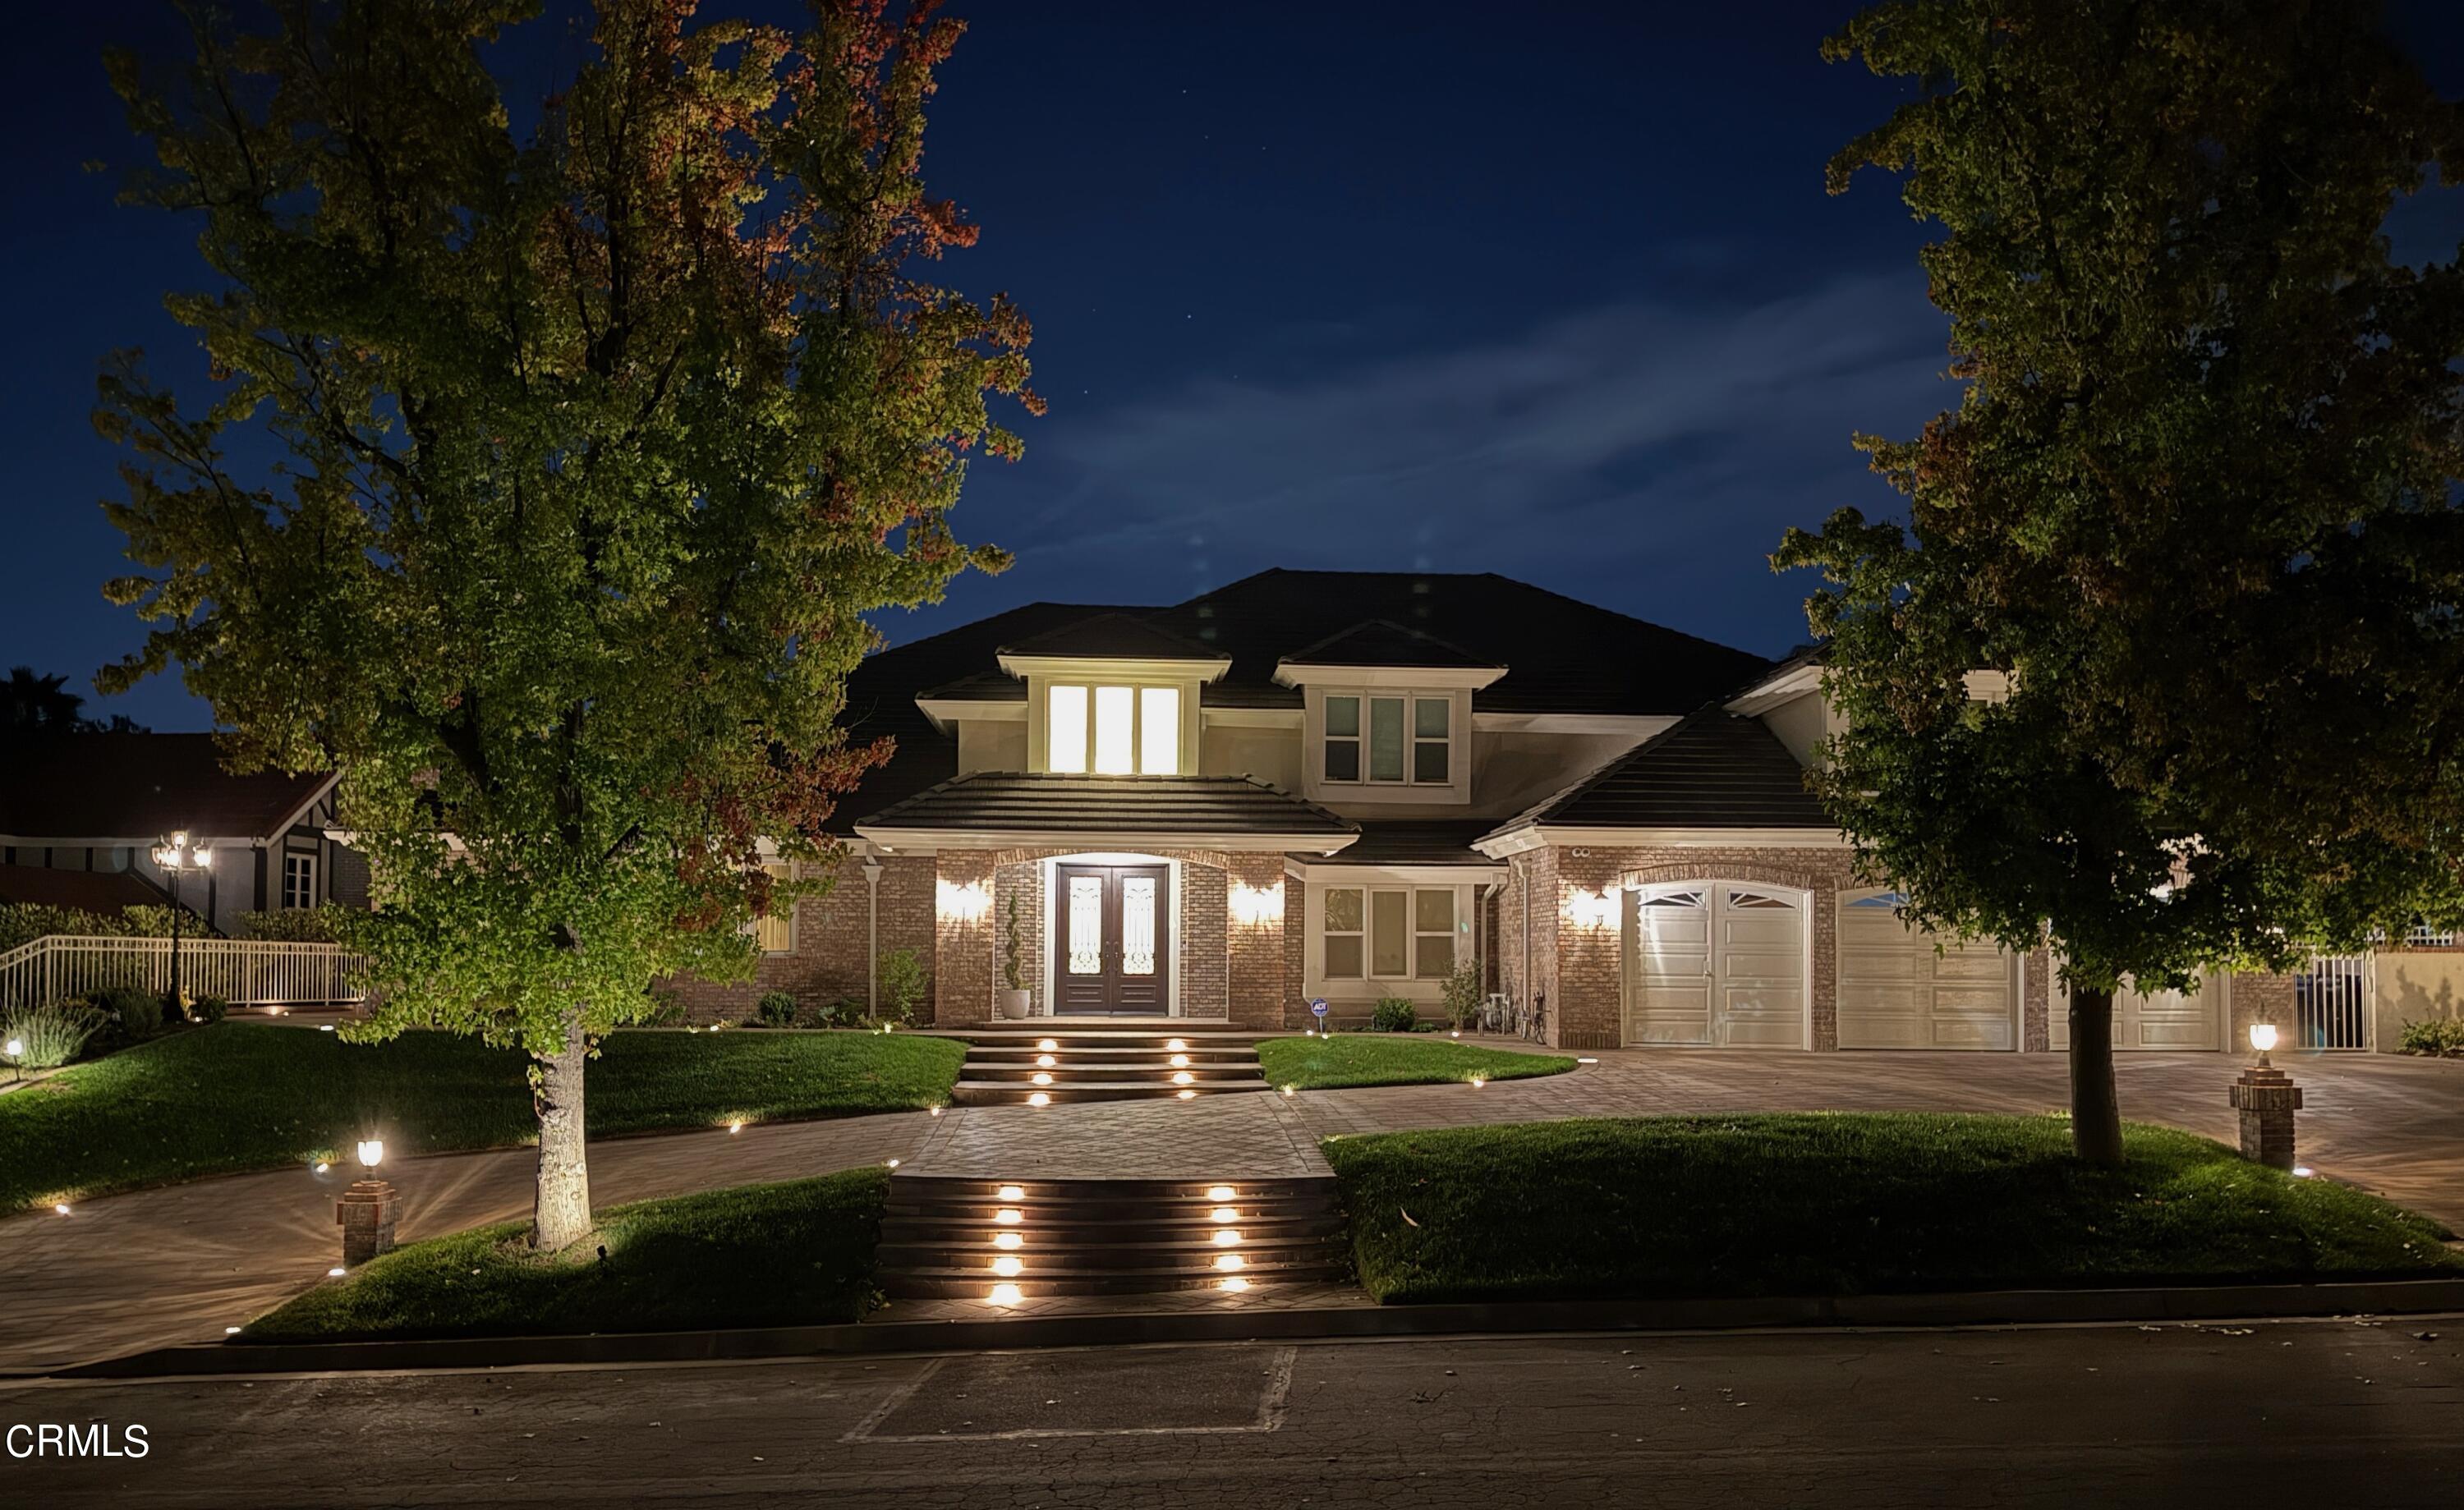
x=962, y=901
x=1599, y=909
x=1255, y=906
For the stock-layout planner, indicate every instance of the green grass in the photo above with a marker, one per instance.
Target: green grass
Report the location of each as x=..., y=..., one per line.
x=1393, y=1059
x=797, y=1254
x=213, y=1100
x=1841, y=1204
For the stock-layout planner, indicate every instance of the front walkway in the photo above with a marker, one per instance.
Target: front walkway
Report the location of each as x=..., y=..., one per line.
x=152, y=1268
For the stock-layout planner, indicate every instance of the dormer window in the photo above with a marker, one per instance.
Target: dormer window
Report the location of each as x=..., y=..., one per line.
x=1113, y=729
x=1389, y=740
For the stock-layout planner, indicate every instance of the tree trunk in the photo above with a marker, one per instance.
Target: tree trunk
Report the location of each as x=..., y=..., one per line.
x=2095, y=1111
x=561, y=1215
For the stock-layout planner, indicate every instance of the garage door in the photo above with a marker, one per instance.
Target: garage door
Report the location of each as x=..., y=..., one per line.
x=1715, y=963
x=1897, y=992
x=2158, y=1019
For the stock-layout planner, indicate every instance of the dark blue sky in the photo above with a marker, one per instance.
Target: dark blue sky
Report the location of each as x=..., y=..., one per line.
x=1550, y=290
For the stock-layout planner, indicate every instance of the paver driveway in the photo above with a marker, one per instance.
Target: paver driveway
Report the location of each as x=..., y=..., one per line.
x=157, y=1267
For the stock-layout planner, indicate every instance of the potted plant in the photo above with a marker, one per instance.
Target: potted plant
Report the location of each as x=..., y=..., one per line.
x=1014, y=1000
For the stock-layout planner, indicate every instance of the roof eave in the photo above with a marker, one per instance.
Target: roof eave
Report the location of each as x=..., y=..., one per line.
x=897, y=840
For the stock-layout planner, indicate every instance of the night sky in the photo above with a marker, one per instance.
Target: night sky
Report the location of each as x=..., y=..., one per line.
x=1547, y=289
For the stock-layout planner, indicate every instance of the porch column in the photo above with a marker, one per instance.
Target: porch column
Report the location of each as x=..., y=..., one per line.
x=1581, y=917
x=964, y=966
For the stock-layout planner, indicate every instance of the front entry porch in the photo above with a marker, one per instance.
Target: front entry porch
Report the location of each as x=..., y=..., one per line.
x=1111, y=939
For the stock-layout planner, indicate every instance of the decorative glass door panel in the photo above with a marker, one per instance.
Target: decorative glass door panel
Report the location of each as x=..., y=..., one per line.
x=1112, y=952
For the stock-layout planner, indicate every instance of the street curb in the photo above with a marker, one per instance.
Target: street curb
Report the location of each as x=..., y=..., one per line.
x=1984, y=1307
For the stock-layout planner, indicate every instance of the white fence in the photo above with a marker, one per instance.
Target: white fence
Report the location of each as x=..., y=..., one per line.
x=2331, y=1003
x=244, y=972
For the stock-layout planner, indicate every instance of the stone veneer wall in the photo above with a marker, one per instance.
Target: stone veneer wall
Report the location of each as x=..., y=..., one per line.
x=828, y=961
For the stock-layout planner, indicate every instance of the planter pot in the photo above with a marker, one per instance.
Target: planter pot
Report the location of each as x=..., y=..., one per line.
x=1015, y=1003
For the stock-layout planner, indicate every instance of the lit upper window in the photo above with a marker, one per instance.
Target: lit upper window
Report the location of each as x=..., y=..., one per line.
x=1112, y=730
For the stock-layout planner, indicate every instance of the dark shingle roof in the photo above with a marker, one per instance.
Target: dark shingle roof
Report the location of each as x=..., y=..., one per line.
x=1010, y=803
x=104, y=891
x=881, y=699
x=139, y=787
x=1445, y=842
x=1713, y=770
x=1114, y=637
x=1563, y=656
x=1380, y=642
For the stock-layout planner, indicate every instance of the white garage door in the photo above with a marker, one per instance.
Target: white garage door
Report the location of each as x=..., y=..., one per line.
x=1715, y=963
x=1897, y=992
x=2156, y=1020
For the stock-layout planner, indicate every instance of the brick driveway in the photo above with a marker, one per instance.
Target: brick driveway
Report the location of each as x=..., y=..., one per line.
x=2387, y=1124
x=174, y=1265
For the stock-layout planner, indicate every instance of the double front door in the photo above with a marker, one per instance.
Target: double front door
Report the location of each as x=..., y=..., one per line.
x=1111, y=940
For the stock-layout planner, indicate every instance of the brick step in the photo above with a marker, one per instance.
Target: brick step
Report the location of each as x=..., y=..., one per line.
x=1099, y=1211
x=919, y=1185
x=1195, y=1053
x=1008, y=1093
x=906, y=1253
x=1105, y=1035
x=1065, y=1235
x=1063, y=1067
x=977, y=1283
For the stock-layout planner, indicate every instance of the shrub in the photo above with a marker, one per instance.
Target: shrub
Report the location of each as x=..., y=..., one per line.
x=777, y=1009
x=306, y=925
x=837, y=1013
x=208, y=1009
x=49, y=1035
x=1394, y=1015
x=137, y=1011
x=2438, y=1038
x=903, y=982
x=1013, y=973
x=24, y=922
x=1462, y=995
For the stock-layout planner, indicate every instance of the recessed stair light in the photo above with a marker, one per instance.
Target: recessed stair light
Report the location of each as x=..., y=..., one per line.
x=1188, y=1095
x=1013, y=1193
x=1008, y=1267
x=1004, y=1295
x=1008, y=1216
x=1227, y=1261
x=1220, y=1193
x=1047, y=1045
x=1039, y=1098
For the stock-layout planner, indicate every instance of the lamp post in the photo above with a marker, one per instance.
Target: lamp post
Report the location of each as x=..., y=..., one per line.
x=366, y=1211
x=2266, y=1099
x=175, y=857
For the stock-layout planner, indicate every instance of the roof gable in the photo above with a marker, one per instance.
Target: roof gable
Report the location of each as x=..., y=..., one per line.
x=137, y=787
x=1712, y=770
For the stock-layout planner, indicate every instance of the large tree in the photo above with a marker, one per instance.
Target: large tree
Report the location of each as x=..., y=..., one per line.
x=597, y=426
x=2197, y=499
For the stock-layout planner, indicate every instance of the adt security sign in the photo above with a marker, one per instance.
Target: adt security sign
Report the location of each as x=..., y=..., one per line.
x=1317, y=1006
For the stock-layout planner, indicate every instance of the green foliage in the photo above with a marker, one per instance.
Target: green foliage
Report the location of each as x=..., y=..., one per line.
x=1462, y=994
x=328, y=924
x=137, y=1011
x=799, y=1253
x=2195, y=500
x=1842, y=1203
x=904, y=982
x=49, y=1036
x=24, y=922
x=2440, y=1038
x=232, y=1098
x=1013, y=971
x=839, y=1014
x=1354, y=1059
x=208, y=1010
x=597, y=444
x=1391, y=1015
x=777, y=1009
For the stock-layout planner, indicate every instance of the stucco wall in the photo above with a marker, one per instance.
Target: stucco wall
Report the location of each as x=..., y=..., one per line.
x=2416, y=986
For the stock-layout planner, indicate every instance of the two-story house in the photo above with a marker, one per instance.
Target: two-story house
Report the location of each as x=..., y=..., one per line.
x=1345, y=786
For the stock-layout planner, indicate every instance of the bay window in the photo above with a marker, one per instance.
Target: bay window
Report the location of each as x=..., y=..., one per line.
x=1113, y=729
x=1400, y=740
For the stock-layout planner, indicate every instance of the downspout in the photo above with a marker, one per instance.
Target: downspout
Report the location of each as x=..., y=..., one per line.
x=1527, y=940
x=1480, y=931
x=872, y=936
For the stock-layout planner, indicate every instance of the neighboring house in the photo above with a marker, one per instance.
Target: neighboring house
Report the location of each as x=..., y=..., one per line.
x=80, y=814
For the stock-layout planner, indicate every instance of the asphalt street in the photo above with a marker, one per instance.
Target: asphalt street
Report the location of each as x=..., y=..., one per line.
x=2353, y=1412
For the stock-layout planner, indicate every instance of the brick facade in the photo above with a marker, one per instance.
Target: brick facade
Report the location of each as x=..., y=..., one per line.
x=826, y=963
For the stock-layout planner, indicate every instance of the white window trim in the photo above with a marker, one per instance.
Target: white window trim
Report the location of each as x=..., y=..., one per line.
x=1411, y=698
x=1369, y=975
x=1040, y=701
x=782, y=870
x=308, y=866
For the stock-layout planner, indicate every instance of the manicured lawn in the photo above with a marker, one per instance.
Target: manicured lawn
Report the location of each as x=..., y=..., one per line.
x=788, y=1255
x=242, y=1097
x=1840, y=1204
x=1393, y=1059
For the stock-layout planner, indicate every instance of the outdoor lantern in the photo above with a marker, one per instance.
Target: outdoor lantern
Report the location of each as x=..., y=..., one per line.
x=371, y=1152
x=2262, y=1038
x=367, y=1210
